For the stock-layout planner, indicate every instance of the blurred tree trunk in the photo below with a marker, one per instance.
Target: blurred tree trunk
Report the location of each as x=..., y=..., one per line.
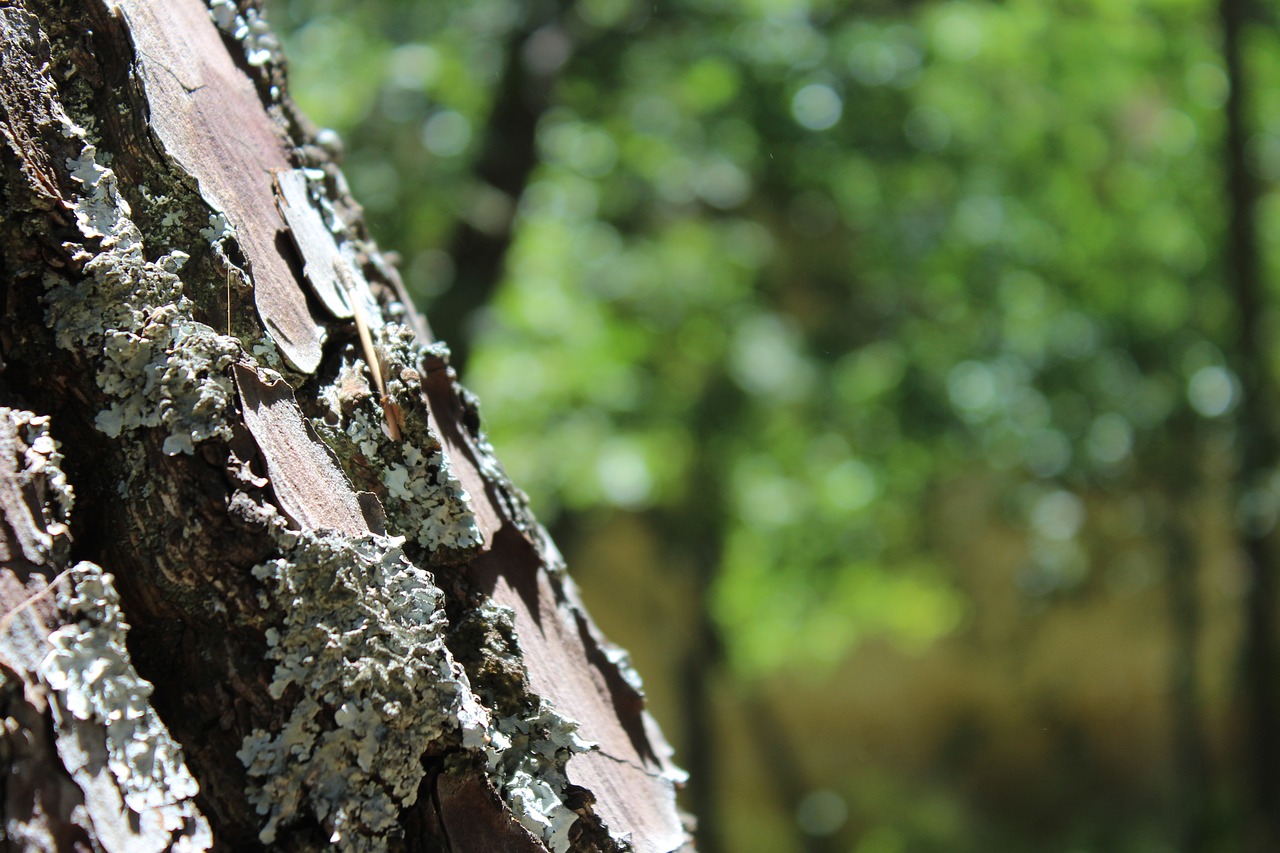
x=1258, y=443
x=263, y=581
x=535, y=54
x=1192, y=773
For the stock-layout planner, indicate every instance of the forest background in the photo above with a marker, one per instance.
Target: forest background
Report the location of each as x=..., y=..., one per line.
x=898, y=378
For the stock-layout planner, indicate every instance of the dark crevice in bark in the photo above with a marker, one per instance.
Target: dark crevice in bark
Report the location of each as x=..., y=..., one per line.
x=622, y=695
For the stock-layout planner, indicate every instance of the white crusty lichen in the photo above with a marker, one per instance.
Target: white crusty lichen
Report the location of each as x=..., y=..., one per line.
x=41, y=466
x=362, y=647
x=428, y=500
x=526, y=759
x=424, y=500
x=249, y=28
x=158, y=365
x=526, y=752
x=91, y=675
x=513, y=502
x=360, y=654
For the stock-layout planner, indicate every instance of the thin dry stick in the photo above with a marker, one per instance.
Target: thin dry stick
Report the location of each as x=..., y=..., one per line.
x=345, y=275
x=32, y=599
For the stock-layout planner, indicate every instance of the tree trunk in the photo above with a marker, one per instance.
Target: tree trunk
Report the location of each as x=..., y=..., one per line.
x=1257, y=441
x=297, y=603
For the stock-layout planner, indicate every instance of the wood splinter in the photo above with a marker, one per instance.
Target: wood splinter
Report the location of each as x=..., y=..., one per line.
x=44, y=592
x=390, y=410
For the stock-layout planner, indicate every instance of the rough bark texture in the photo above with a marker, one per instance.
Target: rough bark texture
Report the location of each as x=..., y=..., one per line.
x=297, y=603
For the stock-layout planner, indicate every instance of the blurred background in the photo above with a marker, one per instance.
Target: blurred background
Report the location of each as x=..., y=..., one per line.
x=898, y=377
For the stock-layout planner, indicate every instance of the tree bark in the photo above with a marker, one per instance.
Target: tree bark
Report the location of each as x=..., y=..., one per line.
x=264, y=583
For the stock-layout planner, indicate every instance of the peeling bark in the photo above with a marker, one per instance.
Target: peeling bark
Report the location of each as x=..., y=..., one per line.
x=344, y=627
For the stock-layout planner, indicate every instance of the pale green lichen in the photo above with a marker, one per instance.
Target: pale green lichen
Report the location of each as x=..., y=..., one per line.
x=89, y=671
x=513, y=502
x=427, y=499
x=526, y=758
x=249, y=28
x=361, y=648
x=621, y=660
x=424, y=500
x=41, y=464
x=219, y=230
x=362, y=640
x=174, y=218
x=531, y=767
x=159, y=366
x=529, y=743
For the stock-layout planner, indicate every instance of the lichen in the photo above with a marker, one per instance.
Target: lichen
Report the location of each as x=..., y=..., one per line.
x=424, y=500
x=320, y=198
x=41, y=465
x=529, y=743
x=219, y=229
x=360, y=654
x=513, y=502
x=621, y=660
x=526, y=757
x=425, y=497
x=362, y=646
x=90, y=672
x=157, y=364
x=249, y=27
